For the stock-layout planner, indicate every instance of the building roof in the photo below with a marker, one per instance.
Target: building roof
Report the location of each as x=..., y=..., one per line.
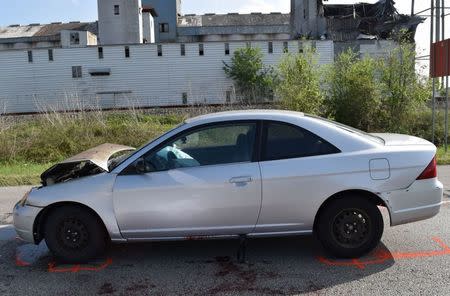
x=234, y=19
x=38, y=31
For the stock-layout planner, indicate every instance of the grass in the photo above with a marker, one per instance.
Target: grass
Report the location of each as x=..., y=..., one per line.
x=29, y=146
x=18, y=174
x=442, y=157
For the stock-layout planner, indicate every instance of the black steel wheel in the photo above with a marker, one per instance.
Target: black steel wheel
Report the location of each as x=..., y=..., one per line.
x=74, y=235
x=350, y=227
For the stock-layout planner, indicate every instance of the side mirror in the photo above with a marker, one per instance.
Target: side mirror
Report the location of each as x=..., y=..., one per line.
x=140, y=166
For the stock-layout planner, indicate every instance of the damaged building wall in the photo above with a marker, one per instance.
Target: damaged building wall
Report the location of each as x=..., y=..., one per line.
x=380, y=20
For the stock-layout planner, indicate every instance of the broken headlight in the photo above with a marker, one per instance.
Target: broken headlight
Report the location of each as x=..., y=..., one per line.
x=24, y=199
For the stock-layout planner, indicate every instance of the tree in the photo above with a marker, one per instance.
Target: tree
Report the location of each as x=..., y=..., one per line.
x=253, y=80
x=353, y=95
x=299, y=85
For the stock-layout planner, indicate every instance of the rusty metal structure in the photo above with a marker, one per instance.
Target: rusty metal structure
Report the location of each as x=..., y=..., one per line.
x=380, y=20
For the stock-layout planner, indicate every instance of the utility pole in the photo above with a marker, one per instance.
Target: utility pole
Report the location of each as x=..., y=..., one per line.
x=434, y=79
x=412, y=7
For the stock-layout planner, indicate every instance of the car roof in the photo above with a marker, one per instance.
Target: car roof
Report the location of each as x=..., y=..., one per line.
x=243, y=115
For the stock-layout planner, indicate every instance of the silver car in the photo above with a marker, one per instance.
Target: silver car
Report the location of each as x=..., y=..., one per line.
x=234, y=174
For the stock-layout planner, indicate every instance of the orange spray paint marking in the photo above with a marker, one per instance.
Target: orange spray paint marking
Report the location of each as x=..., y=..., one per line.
x=77, y=268
x=20, y=262
x=381, y=256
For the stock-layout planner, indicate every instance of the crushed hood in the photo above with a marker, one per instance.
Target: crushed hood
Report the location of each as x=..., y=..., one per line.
x=99, y=155
x=91, y=162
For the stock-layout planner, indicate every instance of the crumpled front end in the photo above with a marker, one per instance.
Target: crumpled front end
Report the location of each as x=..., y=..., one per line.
x=91, y=162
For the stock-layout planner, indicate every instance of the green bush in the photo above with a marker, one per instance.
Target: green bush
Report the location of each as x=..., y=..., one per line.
x=253, y=80
x=299, y=86
x=353, y=95
x=403, y=92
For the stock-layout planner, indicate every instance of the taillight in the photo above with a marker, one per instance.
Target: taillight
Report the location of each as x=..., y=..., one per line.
x=430, y=172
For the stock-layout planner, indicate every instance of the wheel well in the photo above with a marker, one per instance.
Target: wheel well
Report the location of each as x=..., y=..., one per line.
x=38, y=227
x=370, y=196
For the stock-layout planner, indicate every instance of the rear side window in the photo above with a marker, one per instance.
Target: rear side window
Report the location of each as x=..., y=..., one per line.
x=284, y=141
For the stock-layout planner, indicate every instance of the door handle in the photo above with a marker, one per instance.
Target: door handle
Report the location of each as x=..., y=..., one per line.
x=245, y=179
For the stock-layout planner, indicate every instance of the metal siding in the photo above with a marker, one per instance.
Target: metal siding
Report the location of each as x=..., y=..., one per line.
x=144, y=79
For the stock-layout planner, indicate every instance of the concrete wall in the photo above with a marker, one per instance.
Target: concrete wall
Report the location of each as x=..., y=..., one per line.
x=167, y=13
x=85, y=38
x=306, y=20
x=125, y=28
x=148, y=27
x=144, y=79
x=29, y=45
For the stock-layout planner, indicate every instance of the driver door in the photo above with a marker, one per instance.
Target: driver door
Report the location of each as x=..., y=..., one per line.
x=201, y=182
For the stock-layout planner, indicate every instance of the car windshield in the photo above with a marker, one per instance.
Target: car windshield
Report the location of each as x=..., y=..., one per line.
x=350, y=129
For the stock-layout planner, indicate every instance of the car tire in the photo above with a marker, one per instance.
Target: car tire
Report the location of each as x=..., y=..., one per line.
x=74, y=235
x=350, y=227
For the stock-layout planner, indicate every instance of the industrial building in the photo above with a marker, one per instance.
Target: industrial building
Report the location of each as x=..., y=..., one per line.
x=146, y=53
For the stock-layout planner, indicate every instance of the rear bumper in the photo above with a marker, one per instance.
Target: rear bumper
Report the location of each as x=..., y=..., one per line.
x=24, y=217
x=422, y=200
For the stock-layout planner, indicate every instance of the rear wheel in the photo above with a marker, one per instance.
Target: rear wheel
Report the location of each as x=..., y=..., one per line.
x=74, y=235
x=350, y=227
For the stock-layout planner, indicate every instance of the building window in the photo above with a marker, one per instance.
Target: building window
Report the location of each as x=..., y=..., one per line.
x=201, y=49
x=248, y=45
x=116, y=10
x=77, y=72
x=164, y=28
x=300, y=47
x=183, y=49
x=185, y=98
x=100, y=52
x=160, y=53
x=227, y=48
x=74, y=38
x=228, y=96
x=270, y=50
x=127, y=51
x=285, y=47
x=30, y=56
x=50, y=55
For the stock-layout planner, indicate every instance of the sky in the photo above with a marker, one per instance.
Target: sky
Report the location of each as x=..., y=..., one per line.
x=47, y=11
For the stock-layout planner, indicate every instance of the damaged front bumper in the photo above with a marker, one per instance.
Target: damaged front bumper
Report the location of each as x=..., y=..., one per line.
x=24, y=217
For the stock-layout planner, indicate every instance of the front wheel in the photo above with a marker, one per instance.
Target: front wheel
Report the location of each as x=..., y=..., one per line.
x=350, y=227
x=74, y=235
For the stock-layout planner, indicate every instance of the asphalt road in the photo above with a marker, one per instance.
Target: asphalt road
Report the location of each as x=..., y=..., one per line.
x=413, y=259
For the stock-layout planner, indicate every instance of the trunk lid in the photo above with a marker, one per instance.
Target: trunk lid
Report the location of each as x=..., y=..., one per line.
x=402, y=140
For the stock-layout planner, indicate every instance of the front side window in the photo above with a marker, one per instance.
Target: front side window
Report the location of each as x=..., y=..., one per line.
x=213, y=145
x=284, y=141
